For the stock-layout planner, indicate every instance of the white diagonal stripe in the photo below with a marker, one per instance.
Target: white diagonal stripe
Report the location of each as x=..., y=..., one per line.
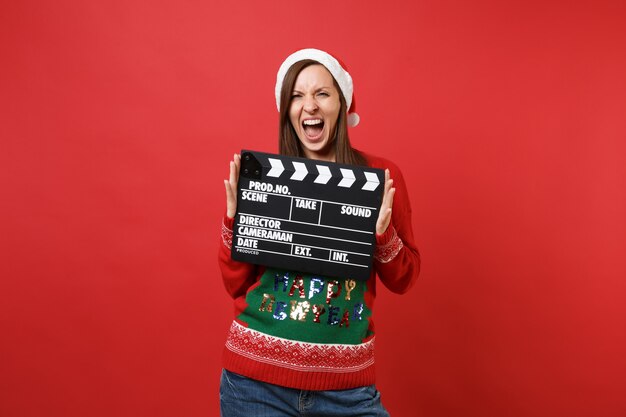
x=372, y=181
x=348, y=178
x=300, y=171
x=324, y=175
x=277, y=168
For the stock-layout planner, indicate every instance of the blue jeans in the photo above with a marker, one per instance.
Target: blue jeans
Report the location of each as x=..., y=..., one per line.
x=242, y=396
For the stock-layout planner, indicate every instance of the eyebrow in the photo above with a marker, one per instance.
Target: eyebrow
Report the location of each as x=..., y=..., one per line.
x=295, y=90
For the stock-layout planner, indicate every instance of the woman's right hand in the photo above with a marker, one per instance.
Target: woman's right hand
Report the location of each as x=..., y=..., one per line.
x=231, y=186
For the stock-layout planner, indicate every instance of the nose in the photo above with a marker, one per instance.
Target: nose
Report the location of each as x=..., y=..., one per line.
x=310, y=105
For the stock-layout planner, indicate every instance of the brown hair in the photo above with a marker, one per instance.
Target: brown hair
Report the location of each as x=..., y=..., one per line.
x=288, y=142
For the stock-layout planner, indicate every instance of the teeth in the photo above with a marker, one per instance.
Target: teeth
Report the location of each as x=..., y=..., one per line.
x=312, y=122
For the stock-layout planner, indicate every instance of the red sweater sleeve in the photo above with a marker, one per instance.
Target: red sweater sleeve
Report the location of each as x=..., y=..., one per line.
x=237, y=276
x=397, y=259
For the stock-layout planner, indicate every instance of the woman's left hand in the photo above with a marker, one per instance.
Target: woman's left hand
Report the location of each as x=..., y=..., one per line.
x=384, y=216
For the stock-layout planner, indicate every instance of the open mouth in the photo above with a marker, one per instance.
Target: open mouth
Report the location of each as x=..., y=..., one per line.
x=313, y=128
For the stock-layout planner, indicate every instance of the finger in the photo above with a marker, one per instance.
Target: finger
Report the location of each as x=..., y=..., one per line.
x=391, y=194
x=231, y=202
x=233, y=174
x=388, y=187
x=237, y=161
x=229, y=190
x=386, y=181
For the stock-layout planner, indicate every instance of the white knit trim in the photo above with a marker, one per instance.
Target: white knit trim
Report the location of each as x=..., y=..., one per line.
x=300, y=356
x=387, y=252
x=227, y=236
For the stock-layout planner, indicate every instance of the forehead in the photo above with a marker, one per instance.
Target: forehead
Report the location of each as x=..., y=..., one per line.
x=314, y=76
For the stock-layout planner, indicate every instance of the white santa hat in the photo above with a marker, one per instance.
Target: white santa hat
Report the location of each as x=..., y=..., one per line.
x=340, y=75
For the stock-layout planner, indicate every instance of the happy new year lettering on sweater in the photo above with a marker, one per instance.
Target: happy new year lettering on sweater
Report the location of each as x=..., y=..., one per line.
x=313, y=332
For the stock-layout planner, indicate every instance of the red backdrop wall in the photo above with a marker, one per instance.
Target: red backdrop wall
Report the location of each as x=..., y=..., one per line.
x=117, y=123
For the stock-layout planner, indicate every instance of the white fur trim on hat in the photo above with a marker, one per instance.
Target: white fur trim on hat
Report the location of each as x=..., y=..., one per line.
x=340, y=75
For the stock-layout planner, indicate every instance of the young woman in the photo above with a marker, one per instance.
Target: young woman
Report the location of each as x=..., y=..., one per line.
x=303, y=344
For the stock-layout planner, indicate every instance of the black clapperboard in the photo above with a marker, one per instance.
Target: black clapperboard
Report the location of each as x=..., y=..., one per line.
x=307, y=215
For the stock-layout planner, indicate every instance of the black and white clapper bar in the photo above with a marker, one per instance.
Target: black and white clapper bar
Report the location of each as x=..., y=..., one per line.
x=307, y=215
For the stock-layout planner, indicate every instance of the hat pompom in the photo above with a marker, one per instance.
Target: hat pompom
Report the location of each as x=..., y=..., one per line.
x=353, y=119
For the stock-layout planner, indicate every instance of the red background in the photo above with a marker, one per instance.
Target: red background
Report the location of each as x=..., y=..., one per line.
x=118, y=119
